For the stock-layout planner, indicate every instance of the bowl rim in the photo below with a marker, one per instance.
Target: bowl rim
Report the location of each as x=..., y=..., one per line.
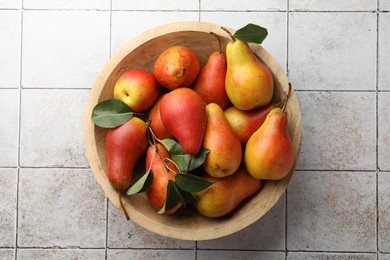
x=92, y=156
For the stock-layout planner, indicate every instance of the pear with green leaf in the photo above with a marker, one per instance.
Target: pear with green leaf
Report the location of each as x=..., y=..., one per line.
x=158, y=160
x=249, y=82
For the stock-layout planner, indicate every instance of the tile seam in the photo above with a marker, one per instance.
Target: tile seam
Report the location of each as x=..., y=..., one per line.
x=377, y=131
x=16, y=236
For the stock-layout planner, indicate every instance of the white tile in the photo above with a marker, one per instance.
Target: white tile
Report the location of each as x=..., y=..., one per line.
x=383, y=211
x=7, y=254
x=8, y=190
x=332, y=51
x=9, y=107
x=119, y=254
x=10, y=35
x=155, y=5
x=338, y=131
x=383, y=131
x=14, y=4
x=384, y=54
x=244, y=5
x=332, y=211
x=383, y=256
x=384, y=5
x=52, y=128
x=333, y=5
x=330, y=256
x=238, y=255
x=140, y=22
x=64, y=49
x=60, y=208
x=275, y=22
x=127, y=234
x=69, y=4
x=61, y=254
x=268, y=233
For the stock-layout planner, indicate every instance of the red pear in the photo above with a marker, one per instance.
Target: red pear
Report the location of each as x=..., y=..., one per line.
x=137, y=88
x=156, y=123
x=269, y=152
x=183, y=114
x=177, y=66
x=224, y=145
x=210, y=84
x=125, y=145
x=226, y=193
x=163, y=171
x=245, y=123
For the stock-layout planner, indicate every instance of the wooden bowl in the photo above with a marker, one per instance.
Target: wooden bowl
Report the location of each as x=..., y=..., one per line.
x=141, y=52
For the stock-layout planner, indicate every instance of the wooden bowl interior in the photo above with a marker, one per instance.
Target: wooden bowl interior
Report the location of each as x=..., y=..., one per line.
x=142, y=52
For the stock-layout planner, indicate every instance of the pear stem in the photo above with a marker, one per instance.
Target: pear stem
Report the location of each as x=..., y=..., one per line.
x=154, y=137
x=165, y=159
x=219, y=41
x=287, y=97
x=230, y=34
x=182, y=73
x=121, y=194
x=169, y=168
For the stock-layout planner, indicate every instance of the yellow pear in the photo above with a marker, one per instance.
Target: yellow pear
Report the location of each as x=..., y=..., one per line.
x=225, y=153
x=269, y=152
x=226, y=193
x=249, y=82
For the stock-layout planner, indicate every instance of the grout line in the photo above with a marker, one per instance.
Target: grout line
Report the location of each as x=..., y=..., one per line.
x=51, y=167
x=106, y=230
x=19, y=132
x=66, y=9
x=377, y=127
x=110, y=31
x=333, y=170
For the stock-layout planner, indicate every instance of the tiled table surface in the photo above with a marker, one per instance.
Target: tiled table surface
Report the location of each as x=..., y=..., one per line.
x=337, y=55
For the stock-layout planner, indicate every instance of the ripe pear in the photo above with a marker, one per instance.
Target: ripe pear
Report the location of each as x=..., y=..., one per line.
x=226, y=193
x=177, y=66
x=225, y=153
x=210, y=84
x=155, y=160
x=183, y=114
x=125, y=145
x=156, y=123
x=137, y=88
x=245, y=123
x=249, y=82
x=269, y=152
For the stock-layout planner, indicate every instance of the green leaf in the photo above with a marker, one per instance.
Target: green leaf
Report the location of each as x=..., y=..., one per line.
x=186, y=197
x=251, y=33
x=172, y=198
x=198, y=159
x=111, y=113
x=142, y=184
x=185, y=161
x=168, y=143
x=191, y=183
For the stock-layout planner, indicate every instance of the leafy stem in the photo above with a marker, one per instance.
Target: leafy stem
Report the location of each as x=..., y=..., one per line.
x=229, y=33
x=153, y=143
